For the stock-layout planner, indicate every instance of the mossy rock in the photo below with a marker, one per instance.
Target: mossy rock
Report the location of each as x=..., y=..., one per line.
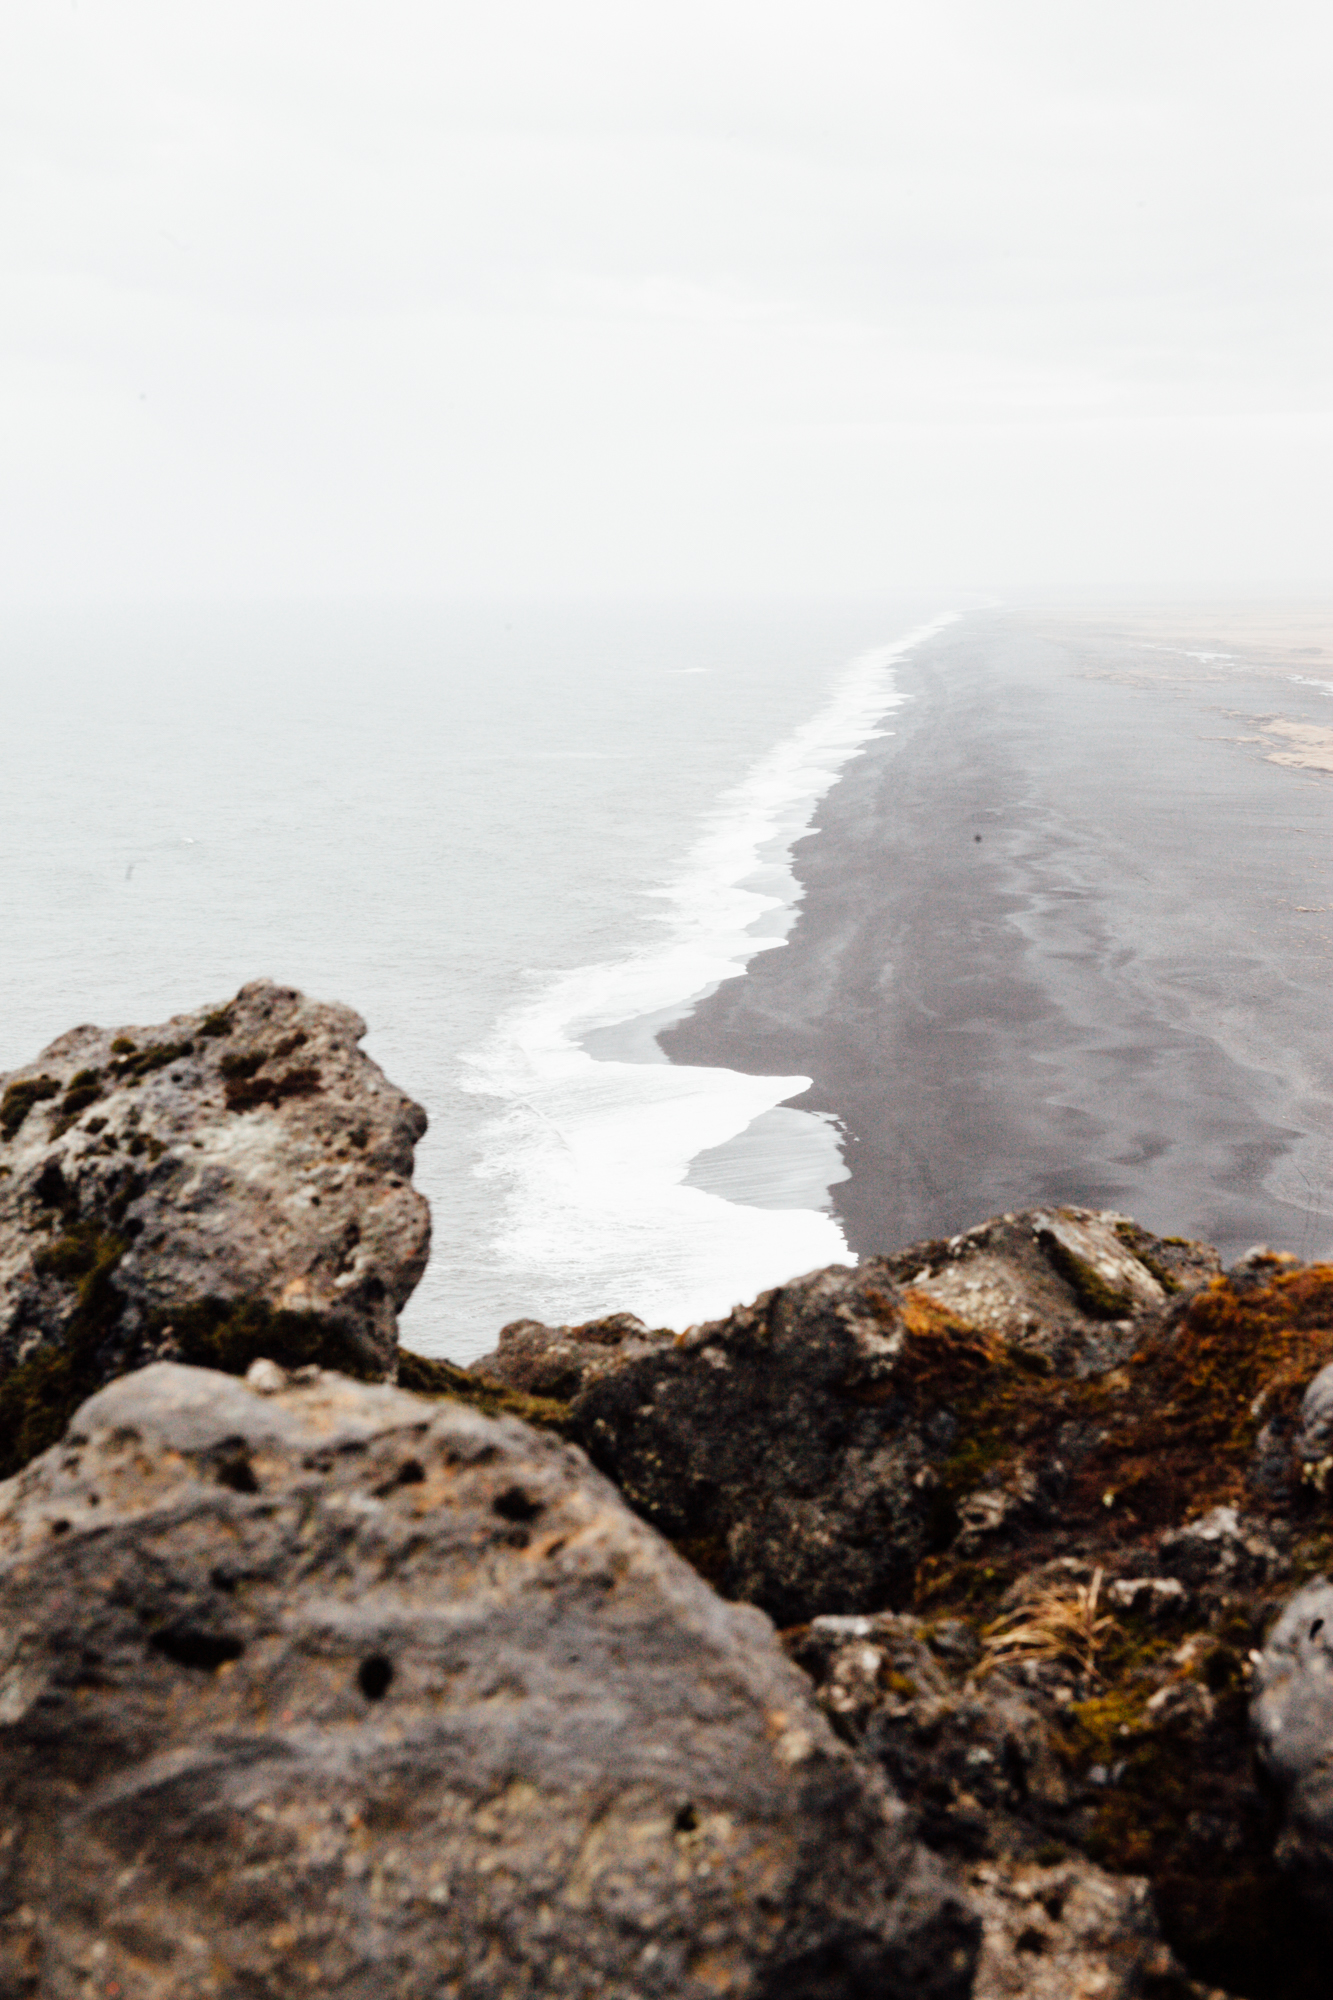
x=425, y=1375
x=1095, y=1297
x=38, y=1398
x=1167, y=1437
x=230, y=1334
x=19, y=1099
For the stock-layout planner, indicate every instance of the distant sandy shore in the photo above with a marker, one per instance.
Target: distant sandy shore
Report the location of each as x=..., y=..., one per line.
x=1067, y=933
x=1206, y=647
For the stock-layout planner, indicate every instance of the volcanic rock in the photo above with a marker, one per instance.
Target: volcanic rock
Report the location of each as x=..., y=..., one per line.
x=794, y=1447
x=1068, y=1286
x=561, y=1361
x=973, y=1756
x=175, y=1190
x=1069, y=1932
x=979, y=1760
x=1313, y=1442
x=307, y=1685
x=1220, y=1548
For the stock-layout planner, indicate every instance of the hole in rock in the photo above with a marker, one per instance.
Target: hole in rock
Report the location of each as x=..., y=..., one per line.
x=374, y=1677
x=191, y=1648
x=687, y=1819
x=515, y=1505
x=237, y=1472
x=50, y=1187
x=410, y=1473
x=1316, y=1628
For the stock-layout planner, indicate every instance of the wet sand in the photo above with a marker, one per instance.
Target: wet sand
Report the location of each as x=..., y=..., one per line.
x=1067, y=934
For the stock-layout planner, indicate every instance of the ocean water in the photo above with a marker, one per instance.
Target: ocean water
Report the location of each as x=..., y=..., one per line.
x=518, y=840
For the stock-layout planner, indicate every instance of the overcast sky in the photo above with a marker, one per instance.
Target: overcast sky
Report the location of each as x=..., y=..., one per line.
x=721, y=295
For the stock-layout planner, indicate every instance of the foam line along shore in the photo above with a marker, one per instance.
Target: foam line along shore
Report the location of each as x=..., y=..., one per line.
x=594, y=1133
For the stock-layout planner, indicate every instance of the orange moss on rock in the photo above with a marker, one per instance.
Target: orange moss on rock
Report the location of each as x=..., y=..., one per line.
x=1155, y=1443
x=1204, y=1414
x=1239, y=1359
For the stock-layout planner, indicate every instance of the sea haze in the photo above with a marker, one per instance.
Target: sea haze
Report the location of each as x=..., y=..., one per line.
x=517, y=840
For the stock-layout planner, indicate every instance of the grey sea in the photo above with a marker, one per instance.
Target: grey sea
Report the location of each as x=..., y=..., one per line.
x=495, y=831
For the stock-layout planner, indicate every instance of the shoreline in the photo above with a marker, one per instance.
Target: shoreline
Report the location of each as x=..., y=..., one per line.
x=629, y=1183
x=1061, y=940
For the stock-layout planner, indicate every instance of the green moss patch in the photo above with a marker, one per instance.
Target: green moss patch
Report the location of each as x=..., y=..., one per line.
x=426, y=1376
x=241, y=1063
x=229, y=1334
x=38, y=1398
x=19, y=1099
x=1140, y=1246
x=83, y=1089
x=1181, y=1809
x=1095, y=1297
x=158, y=1055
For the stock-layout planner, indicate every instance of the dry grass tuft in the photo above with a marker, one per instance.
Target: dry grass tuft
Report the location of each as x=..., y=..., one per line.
x=1055, y=1624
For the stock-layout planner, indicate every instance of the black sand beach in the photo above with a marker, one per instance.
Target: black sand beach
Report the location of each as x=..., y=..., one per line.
x=1067, y=935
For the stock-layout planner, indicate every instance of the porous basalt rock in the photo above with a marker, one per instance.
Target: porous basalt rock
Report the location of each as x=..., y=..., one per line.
x=986, y=1762
x=1313, y=1443
x=1071, y=1287
x=1220, y=1549
x=307, y=1685
x=974, y=1757
x=1070, y=1932
x=233, y=1182
x=1010, y=1773
x=782, y=1447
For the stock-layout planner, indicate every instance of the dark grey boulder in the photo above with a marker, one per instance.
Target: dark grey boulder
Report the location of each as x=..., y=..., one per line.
x=1292, y=1716
x=312, y=1686
x=1314, y=1431
x=976, y=1757
x=779, y=1446
x=1070, y=1287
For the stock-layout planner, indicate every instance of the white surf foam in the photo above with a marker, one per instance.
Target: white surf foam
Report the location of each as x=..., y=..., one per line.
x=591, y=1156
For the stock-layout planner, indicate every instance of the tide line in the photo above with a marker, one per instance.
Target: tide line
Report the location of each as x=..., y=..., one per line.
x=590, y=1156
